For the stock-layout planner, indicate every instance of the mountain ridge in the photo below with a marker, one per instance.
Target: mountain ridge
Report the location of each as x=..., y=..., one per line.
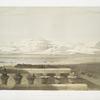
x=48, y=47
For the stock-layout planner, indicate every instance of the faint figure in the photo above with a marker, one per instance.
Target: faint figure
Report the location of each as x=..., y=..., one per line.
x=63, y=78
x=44, y=80
x=51, y=78
x=72, y=77
x=4, y=76
x=31, y=78
x=89, y=74
x=18, y=77
x=57, y=79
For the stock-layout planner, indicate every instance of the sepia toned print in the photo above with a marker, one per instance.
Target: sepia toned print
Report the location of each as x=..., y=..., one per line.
x=50, y=48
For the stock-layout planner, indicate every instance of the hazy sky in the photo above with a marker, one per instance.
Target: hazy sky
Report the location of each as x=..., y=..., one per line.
x=61, y=24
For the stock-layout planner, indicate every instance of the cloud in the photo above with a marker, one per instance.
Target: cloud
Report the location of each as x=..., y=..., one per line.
x=97, y=45
x=44, y=46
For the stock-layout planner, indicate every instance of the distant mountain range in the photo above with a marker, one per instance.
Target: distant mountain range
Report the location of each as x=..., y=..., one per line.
x=48, y=47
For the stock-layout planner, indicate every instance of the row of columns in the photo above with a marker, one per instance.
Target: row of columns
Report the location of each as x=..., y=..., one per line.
x=45, y=78
x=40, y=80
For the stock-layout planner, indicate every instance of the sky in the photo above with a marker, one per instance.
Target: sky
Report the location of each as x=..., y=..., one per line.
x=62, y=24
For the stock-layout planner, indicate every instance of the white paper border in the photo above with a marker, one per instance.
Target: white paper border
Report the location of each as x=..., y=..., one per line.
x=49, y=2
x=49, y=95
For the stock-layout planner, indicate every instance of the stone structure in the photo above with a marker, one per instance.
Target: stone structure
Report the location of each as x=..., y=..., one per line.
x=42, y=78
